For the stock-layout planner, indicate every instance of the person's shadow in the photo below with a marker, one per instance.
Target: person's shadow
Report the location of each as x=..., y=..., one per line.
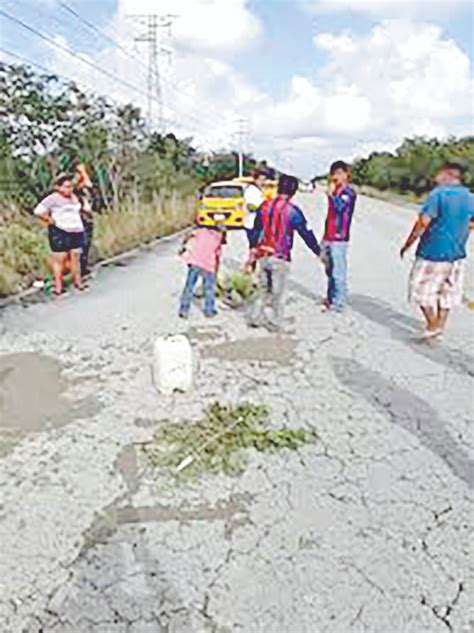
x=404, y=328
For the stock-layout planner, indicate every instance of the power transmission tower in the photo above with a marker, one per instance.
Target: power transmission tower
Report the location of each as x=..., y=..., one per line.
x=155, y=24
x=242, y=132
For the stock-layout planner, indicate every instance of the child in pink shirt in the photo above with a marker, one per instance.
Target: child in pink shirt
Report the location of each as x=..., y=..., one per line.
x=202, y=252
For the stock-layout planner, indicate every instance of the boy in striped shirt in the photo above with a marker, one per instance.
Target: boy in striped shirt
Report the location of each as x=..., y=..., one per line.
x=341, y=203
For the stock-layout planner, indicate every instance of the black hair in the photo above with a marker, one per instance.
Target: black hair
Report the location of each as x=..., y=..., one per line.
x=454, y=166
x=62, y=178
x=287, y=185
x=339, y=164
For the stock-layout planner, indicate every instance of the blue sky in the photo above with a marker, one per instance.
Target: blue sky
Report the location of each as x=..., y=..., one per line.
x=312, y=78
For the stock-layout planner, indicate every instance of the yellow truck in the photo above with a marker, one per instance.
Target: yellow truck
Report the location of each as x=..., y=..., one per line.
x=222, y=203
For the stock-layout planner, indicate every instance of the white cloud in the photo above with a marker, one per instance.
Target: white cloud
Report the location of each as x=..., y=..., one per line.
x=309, y=111
x=388, y=7
x=401, y=79
x=398, y=80
x=202, y=25
x=330, y=42
x=414, y=78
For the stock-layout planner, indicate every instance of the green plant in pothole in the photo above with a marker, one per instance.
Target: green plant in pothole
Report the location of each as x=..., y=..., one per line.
x=217, y=442
x=236, y=289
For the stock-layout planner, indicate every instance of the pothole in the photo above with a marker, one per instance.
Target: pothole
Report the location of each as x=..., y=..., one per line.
x=32, y=398
x=270, y=349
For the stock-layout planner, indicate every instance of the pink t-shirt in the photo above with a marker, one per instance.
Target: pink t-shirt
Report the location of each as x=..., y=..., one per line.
x=66, y=212
x=204, y=249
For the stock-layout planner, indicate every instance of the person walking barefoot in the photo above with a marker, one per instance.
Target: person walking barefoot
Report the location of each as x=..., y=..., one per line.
x=442, y=231
x=60, y=211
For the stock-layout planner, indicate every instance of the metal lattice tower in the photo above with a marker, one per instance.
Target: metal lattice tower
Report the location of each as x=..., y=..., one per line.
x=155, y=24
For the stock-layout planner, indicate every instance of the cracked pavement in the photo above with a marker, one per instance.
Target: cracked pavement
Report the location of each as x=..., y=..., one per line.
x=367, y=531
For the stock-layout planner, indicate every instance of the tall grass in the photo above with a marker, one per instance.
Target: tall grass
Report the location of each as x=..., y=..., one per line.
x=134, y=224
x=24, y=250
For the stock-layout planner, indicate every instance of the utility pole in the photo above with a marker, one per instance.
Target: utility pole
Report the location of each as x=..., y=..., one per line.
x=242, y=131
x=154, y=25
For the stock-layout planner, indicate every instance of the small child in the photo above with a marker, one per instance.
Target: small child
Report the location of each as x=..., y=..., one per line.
x=202, y=252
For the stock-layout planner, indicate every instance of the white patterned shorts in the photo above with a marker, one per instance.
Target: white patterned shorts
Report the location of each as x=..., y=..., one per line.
x=437, y=283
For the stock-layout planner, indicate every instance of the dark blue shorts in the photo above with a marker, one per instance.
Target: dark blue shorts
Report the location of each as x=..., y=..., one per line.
x=63, y=241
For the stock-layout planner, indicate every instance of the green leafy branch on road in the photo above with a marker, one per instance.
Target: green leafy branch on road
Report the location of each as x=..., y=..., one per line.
x=236, y=289
x=219, y=441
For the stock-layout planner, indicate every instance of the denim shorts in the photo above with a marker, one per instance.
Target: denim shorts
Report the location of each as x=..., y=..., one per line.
x=63, y=241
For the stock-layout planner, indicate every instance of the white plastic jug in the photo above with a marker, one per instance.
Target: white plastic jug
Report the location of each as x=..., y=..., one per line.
x=173, y=364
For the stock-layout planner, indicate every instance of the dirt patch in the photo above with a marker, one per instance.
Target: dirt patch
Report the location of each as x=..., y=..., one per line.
x=32, y=398
x=205, y=334
x=270, y=349
x=126, y=464
x=233, y=512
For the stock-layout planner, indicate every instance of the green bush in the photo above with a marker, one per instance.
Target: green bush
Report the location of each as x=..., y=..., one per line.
x=411, y=168
x=236, y=288
x=23, y=255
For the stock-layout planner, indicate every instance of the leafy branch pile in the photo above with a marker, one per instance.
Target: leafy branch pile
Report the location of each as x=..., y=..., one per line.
x=236, y=289
x=217, y=442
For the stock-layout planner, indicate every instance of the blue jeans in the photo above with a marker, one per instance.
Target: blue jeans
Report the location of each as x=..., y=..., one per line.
x=336, y=270
x=209, y=281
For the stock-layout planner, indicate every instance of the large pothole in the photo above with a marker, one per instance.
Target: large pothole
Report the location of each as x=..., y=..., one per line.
x=33, y=398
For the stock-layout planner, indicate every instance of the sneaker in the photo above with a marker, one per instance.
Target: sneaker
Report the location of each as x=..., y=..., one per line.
x=210, y=315
x=183, y=315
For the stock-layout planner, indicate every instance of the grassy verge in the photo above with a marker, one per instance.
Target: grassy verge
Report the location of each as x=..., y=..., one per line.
x=24, y=250
x=219, y=441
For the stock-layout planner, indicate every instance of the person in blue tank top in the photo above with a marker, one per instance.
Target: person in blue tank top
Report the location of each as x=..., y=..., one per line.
x=442, y=231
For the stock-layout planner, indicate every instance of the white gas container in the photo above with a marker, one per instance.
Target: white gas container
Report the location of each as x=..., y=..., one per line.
x=173, y=364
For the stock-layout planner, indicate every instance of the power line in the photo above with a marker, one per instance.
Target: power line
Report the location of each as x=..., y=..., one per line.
x=65, y=78
x=242, y=131
x=131, y=56
x=154, y=24
x=53, y=73
x=75, y=55
x=79, y=17
x=69, y=52
x=106, y=73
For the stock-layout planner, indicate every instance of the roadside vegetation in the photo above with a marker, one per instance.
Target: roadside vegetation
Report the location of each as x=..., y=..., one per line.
x=144, y=181
x=219, y=442
x=236, y=289
x=409, y=170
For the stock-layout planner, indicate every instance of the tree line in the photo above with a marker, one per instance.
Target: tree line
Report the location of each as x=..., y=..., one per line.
x=411, y=168
x=48, y=124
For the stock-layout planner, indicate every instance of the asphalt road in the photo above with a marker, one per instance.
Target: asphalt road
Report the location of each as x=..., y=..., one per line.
x=368, y=530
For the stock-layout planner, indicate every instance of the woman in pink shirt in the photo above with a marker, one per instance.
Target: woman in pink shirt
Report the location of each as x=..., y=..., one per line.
x=202, y=254
x=61, y=211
